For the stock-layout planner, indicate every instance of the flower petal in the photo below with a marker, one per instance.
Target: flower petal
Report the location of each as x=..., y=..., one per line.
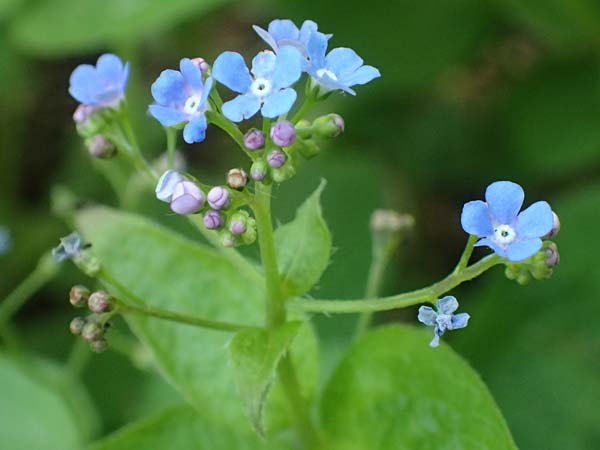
x=523, y=249
x=504, y=198
x=489, y=243
x=435, y=342
x=240, y=108
x=263, y=64
x=308, y=27
x=427, y=315
x=278, y=103
x=265, y=36
x=475, y=219
x=362, y=75
x=288, y=67
x=316, y=49
x=167, y=116
x=535, y=221
x=195, y=131
x=191, y=74
x=283, y=29
x=459, y=321
x=110, y=67
x=343, y=61
x=208, y=85
x=447, y=305
x=169, y=89
x=83, y=84
x=230, y=69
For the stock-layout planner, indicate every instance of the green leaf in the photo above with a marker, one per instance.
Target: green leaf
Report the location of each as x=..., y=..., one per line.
x=255, y=355
x=392, y=390
x=182, y=428
x=304, y=246
x=43, y=407
x=66, y=26
x=168, y=271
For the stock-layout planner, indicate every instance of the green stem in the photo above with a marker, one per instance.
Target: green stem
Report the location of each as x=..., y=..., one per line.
x=230, y=128
x=309, y=102
x=78, y=357
x=171, y=145
x=428, y=294
x=44, y=272
x=466, y=255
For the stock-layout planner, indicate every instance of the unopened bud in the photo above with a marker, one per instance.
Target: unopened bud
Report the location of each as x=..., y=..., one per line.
x=227, y=239
x=187, y=198
x=92, y=331
x=555, y=227
x=237, y=179
x=283, y=133
x=201, y=64
x=79, y=295
x=82, y=113
x=308, y=149
x=212, y=219
x=99, y=302
x=237, y=224
x=76, y=325
x=553, y=257
x=166, y=185
x=99, y=345
x=259, y=170
x=328, y=126
x=254, y=139
x=388, y=221
x=283, y=173
x=100, y=147
x=218, y=197
x=276, y=159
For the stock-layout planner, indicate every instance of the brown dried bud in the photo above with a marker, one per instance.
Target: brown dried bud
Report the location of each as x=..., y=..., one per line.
x=78, y=296
x=237, y=179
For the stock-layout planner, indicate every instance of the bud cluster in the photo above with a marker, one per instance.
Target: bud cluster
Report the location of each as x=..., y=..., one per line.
x=539, y=267
x=92, y=327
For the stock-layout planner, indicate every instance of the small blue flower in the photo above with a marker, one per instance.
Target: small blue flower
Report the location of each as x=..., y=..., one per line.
x=69, y=247
x=269, y=87
x=5, y=240
x=443, y=319
x=102, y=85
x=500, y=226
x=340, y=69
x=182, y=96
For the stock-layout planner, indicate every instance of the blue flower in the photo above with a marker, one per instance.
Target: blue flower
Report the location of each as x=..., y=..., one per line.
x=443, y=319
x=69, y=247
x=500, y=226
x=340, y=69
x=267, y=89
x=102, y=85
x=182, y=96
x=283, y=33
x=5, y=241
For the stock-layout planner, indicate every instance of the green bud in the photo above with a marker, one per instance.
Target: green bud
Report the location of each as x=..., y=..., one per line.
x=92, y=331
x=228, y=239
x=283, y=173
x=76, y=325
x=307, y=148
x=328, y=126
x=99, y=345
x=539, y=267
x=304, y=129
x=259, y=170
x=250, y=235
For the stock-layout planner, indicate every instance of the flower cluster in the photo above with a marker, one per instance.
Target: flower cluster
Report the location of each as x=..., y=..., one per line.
x=92, y=327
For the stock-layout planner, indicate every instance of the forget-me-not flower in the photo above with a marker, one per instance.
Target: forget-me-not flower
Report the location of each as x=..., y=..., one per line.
x=267, y=89
x=102, y=85
x=340, y=69
x=443, y=319
x=182, y=96
x=69, y=247
x=500, y=226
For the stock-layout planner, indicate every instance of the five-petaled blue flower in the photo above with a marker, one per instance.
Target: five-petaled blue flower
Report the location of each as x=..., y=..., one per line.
x=443, y=319
x=500, y=226
x=269, y=87
x=102, y=85
x=182, y=97
x=69, y=247
x=283, y=32
x=340, y=69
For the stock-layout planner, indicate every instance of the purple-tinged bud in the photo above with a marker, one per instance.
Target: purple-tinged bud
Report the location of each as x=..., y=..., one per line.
x=553, y=257
x=92, y=331
x=99, y=302
x=254, y=139
x=237, y=224
x=283, y=133
x=187, y=198
x=555, y=227
x=237, y=179
x=100, y=147
x=276, y=159
x=79, y=295
x=166, y=185
x=228, y=239
x=212, y=219
x=259, y=170
x=99, y=345
x=201, y=64
x=328, y=126
x=76, y=325
x=218, y=197
x=82, y=113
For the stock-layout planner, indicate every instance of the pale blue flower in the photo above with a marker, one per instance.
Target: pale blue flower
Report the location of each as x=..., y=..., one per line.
x=267, y=89
x=102, y=85
x=182, y=96
x=443, y=319
x=340, y=69
x=69, y=247
x=500, y=226
x=5, y=240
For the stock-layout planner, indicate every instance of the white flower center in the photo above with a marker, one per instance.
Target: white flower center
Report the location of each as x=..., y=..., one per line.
x=322, y=72
x=192, y=105
x=504, y=235
x=261, y=87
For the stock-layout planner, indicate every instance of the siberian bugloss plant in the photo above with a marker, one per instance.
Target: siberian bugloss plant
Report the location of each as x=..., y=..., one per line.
x=227, y=330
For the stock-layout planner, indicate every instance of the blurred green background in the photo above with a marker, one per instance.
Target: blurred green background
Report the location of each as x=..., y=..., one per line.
x=471, y=92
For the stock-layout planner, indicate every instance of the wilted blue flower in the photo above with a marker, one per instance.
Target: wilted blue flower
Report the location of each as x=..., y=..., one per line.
x=69, y=247
x=443, y=319
x=269, y=87
x=5, y=241
x=340, y=69
x=102, y=85
x=500, y=226
x=182, y=96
